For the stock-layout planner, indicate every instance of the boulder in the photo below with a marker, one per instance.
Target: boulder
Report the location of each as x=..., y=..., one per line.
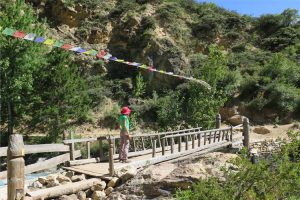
x=42, y=180
x=98, y=195
x=99, y=187
x=227, y=113
x=77, y=178
x=108, y=190
x=236, y=120
x=126, y=173
x=51, y=177
x=61, y=178
x=52, y=183
x=37, y=184
x=69, y=174
x=261, y=130
x=81, y=195
x=113, y=182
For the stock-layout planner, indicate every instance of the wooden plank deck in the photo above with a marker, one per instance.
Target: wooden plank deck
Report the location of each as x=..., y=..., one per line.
x=101, y=169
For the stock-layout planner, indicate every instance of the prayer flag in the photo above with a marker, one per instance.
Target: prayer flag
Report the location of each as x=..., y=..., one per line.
x=30, y=36
x=101, y=54
x=91, y=52
x=67, y=46
x=143, y=66
x=135, y=64
x=49, y=42
x=9, y=31
x=75, y=49
x=107, y=56
x=19, y=34
x=81, y=50
x=39, y=39
x=58, y=43
x=113, y=58
x=119, y=60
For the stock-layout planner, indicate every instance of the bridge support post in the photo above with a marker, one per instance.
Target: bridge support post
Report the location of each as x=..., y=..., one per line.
x=179, y=144
x=163, y=146
x=15, y=168
x=101, y=153
x=154, y=149
x=111, y=141
x=186, y=142
x=218, y=121
x=172, y=145
x=72, y=147
x=246, y=129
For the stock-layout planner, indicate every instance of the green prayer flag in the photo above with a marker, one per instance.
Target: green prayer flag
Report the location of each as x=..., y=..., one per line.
x=9, y=31
x=58, y=43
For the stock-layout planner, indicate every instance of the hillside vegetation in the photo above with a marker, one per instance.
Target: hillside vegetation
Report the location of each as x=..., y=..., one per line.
x=253, y=63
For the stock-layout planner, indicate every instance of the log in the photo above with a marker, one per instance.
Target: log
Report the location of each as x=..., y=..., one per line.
x=47, y=164
x=15, y=167
x=58, y=191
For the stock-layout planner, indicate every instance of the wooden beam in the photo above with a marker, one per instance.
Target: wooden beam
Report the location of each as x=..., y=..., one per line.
x=39, y=148
x=88, y=149
x=47, y=164
x=82, y=161
x=3, y=151
x=80, y=140
x=58, y=191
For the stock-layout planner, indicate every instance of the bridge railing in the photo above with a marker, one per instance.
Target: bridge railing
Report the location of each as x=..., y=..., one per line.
x=201, y=137
x=140, y=143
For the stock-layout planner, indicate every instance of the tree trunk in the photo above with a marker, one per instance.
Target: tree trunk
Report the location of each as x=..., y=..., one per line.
x=10, y=118
x=66, y=189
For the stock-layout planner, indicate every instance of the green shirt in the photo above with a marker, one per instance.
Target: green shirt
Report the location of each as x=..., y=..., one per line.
x=122, y=118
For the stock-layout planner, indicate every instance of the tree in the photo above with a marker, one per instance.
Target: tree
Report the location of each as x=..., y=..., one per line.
x=62, y=95
x=18, y=60
x=202, y=105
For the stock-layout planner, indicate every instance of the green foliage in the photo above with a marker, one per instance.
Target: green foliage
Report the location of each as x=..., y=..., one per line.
x=276, y=85
x=202, y=105
x=61, y=93
x=169, y=110
x=140, y=86
x=19, y=61
x=276, y=177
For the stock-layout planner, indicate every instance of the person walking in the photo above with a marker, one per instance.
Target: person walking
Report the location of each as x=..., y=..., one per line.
x=124, y=134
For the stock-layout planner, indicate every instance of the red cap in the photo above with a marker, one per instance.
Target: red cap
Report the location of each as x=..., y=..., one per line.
x=125, y=110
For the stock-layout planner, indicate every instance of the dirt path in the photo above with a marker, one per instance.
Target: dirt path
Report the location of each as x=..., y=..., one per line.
x=278, y=131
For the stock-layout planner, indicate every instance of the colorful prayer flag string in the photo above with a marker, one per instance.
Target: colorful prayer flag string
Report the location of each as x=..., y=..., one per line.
x=97, y=54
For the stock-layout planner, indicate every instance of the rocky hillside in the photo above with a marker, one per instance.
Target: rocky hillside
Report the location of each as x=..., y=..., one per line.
x=177, y=36
x=251, y=63
x=173, y=33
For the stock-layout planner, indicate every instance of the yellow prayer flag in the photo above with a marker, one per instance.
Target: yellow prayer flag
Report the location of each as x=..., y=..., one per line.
x=49, y=42
x=143, y=66
x=120, y=60
x=88, y=52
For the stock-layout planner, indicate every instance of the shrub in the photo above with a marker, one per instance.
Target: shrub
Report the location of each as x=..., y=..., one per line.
x=276, y=177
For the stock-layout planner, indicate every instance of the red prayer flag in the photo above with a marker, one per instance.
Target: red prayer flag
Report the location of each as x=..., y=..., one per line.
x=19, y=34
x=101, y=54
x=67, y=46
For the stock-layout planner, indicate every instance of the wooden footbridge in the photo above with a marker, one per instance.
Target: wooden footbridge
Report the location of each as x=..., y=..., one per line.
x=145, y=150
